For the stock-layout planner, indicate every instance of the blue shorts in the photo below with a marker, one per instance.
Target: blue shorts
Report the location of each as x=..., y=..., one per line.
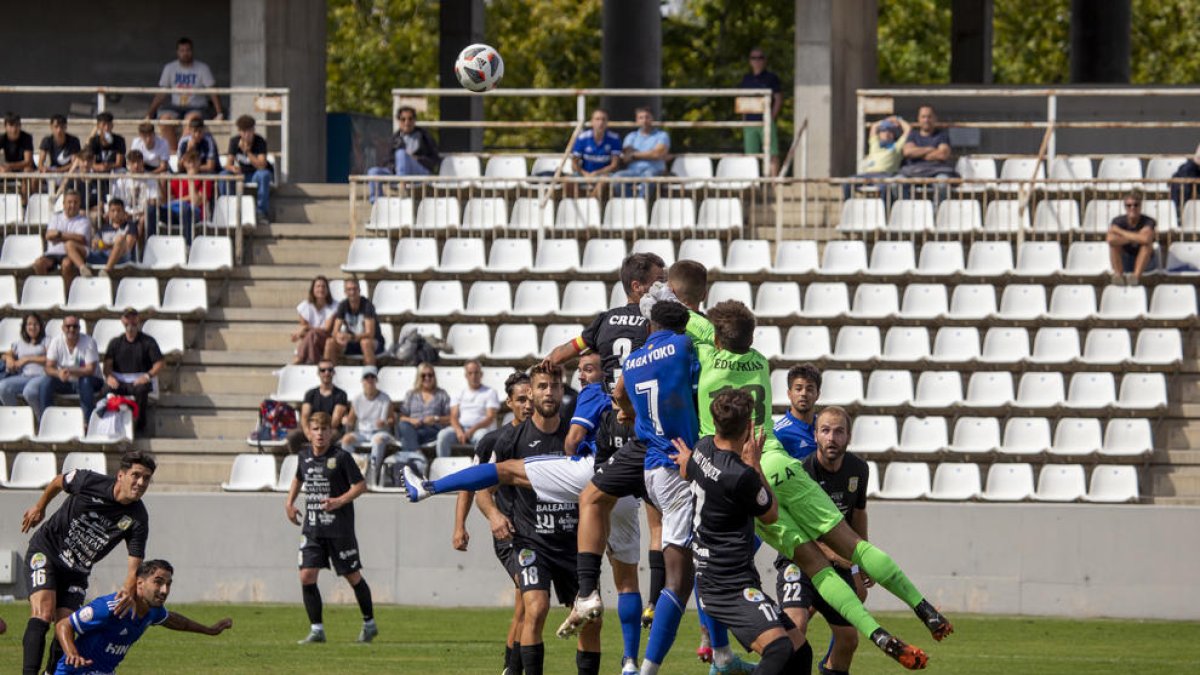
x=1129, y=259
x=354, y=347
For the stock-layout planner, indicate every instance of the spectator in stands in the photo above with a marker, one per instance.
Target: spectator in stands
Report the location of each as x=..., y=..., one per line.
x=114, y=243
x=24, y=362
x=1131, y=243
x=78, y=177
x=248, y=157
x=18, y=146
x=56, y=150
x=324, y=398
x=472, y=412
x=886, y=139
x=927, y=152
x=356, y=330
x=201, y=142
x=644, y=152
x=190, y=196
x=132, y=361
x=184, y=73
x=370, y=420
x=316, y=322
x=154, y=149
x=72, y=362
x=761, y=78
x=139, y=195
x=108, y=149
x=424, y=412
x=597, y=151
x=414, y=152
x=69, y=235
x=1183, y=192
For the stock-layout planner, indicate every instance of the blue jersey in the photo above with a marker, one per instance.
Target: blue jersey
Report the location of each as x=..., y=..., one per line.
x=596, y=153
x=660, y=380
x=104, y=637
x=796, y=436
x=589, y=406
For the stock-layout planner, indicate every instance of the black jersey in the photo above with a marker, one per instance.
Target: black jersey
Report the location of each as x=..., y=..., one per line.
x=613, y=335
x=484, y=450
x=847, y=487
x=542, y=525
x=729, y=496
x=91, y=523
x=612, y=436
x=329, y=474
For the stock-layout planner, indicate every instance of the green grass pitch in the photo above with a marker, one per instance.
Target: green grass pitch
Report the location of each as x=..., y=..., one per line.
x=469, y=642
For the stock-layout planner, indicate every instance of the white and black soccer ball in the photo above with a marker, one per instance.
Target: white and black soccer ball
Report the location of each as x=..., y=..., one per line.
x=479, y=68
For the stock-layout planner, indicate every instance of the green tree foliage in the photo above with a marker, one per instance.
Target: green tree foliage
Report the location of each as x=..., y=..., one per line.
x=1166, y=45
x=914, y=41
x=1030, y=41
x=375, y=45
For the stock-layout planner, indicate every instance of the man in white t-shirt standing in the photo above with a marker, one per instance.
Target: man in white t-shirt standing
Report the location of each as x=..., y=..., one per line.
x=185, y=72
x=371, y=416
x=69, y=235
x=472, y=412
x=71, y=368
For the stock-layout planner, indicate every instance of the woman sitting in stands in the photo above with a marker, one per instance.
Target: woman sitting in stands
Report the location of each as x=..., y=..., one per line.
x=316, y=322
x=24, y=362
x=424, y=411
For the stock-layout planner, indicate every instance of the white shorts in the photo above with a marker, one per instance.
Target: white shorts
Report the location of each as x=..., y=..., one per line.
x=560, y=480
x=673, y=497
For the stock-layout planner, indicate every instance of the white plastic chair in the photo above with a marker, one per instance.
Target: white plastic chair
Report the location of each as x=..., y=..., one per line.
x=1026, y=436
x=838, y=387
x=185, y=295
x=1008, y=483
x=1056, y=215
x=1005, y=215
x=88, y=294
x=743, y=167
x=720, y=214
x=528, y=213
x=959, y=215
x=617, y=297
x=1158, y=347
x=1077, y=169
x=10, y=209
x=989, y=390
x=626, y=214
x=391, y=213
x=777, y=299
x=1143, y=391
x=584, y=299
x=141, y=293
x=558, y=333
x=444, y=466
x=768, y=341
x=1055, y=346
x=923, y=436
x=1091, y=391
x=225, y=212
x=1125, y=303
x=461, y=256
x=904, y=344
x=514, y=341
x=673, y=214
x=1123, y=169
x=102, y=332
x=857, y=343
x=889, y=388
x=396, y=381
x=862, y=215
x=938, y=389
x=747, y=256
x=826, y=300
x=209, y=254
x=287, y=471
x=337, y=289
x=1060, y=483
x=368, y=254
x=31, y=470
x=989, y=258
x=20, y=251
x=42, y=294
x=905, y=480
x=60, y=425
x=1113, y=484
x=1072, y=302
x=487, y=298
x=975, y=435
x=1164, y=213
x=91, y=461
x=796, y=257
x=873, y=435
x=972, y=302
x=663, y=248
x=510, y=256
x=459, y=166
x=872, y=479
x=1106, y=346
x=1099, y=214
x=876, y=301
x=957, y=482
x=940, y=258
x=467, y=341
x=1018, y=173
x=1161, y=169
x=976, y=169
x=1022, y=302
x=807, y=343
x=16, y=424
x=1040, y=390
x=393, y=297
x=890, y=258
x=692, y=166
x=168, y=333
x=707, y=252
x=294, y=382
x=440, y=298
x=1173, y=302
x=536, y=298
x=1087, y=258
x=1039, y=258
x=1184, y=255
x=251, y=473
x=95, y=437
x=578, y=213
x=438, y=213
x=504, y=166
x=556, y=256
x=1127, y=438
x=730, y=290
x=924, y=301
x=911, y=215
x=844, y=257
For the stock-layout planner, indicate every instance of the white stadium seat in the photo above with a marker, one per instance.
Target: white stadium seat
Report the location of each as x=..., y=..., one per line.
x=168, y=333
x=959, y=215
x=1039, y=258
x=911, y=215
x=796, y=257
x=1184, y=257
x=415, y=255
x=60, y=425
x=989, y=390
x=556, y=256
x=10, y=209
x=923, y=436
x=1106, y=346
x=924, y=301
x=938, y=389
x=989, y=258
x=368, y=254
x=844, y=257
x=1143, y=391
x=673, y=214
x=1123, y=169
x=972, y=301
x=826, y=300
x=1074, y=169
x=1005, y=346
x=536, y=298
x=394, y=297
x=1019, y=173
x=1173, y=302
x=1022, y=302
x=141, y=293
x=514, y=341
x=484, y=298
x=1161, y=169
x=92, y=461
x=743, y=167
x=857, y=343
x=504, y=166
x=1099, y=214
x=461, y=256
x=1158, y=347
x=876, y=301
x=391, y=213
x=1040, y=390
x=707, y=252
x=509, y=256
x=1071, y=302
x=467, y=341
x=873, y=434
x=1127, y=438
x=42, y=294
x=209, y=254
x=251, y=473
x=602, y=256
x=862, y=215
x=692, y=166
x=459, y=166
x=1008, y=483
x=225, y=212
x=626, y=214
x=768, y=341
x=1088, y=258
x=528, y=213
x=38, y=209
x=889, y=388
x=16, y=424
x=1113, y=485
x=956, y=482
x=748, y=256
x=940, y=258
x=583, y=299
x=720, y=214
x=1060, y=483
x=294, y=382
x=840, y=387
x=438, y=213
x=893, y=258
x=444, y=466
x=556, y=334
x=976, y=169
x=1055, y=346
x=185, y=295
x=905, y=480
x=31, y=470
x=1006, y=215
x=730, y=290
x=1026, y=436
x=440, y=298
x=1164, y=213
x=808, y=343
x=975, y=435
x=872, y=479
x=1091, y=391
x=1122, y=302
x=663, y=248
x=103, y=331
x=87, y=294
x=97, y=435
x=777, y=299
x=906, y=344
x=578, y=213
x=20, y=250
x=287, y=471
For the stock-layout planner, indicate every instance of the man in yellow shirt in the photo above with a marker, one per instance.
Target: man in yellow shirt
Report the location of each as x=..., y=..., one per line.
x=884, y=153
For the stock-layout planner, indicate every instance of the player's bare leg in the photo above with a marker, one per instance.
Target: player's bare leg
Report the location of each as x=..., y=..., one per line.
x=533, y=652
x=841, y=649
x=880, y=567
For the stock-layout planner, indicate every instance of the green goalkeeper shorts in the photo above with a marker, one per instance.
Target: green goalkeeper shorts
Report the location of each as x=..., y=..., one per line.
x=806, y=512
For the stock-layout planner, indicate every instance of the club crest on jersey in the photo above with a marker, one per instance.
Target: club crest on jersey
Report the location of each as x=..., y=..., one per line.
x=85, y=614
x=753, y=595
x=526, y=557
x=763, y=498
x=791, y=573
x=37, y=561
x=852, y=485
x=331, y=463
x=124, y=523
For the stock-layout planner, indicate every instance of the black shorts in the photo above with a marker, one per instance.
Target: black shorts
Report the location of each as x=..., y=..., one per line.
x=69, y=586
x=795, y=589
x=537, y=570
x=747, y=613
x=319, y=552
x=507, y=555
x=624, y=474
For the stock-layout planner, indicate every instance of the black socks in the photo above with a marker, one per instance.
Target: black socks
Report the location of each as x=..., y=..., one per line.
x=312, y=602
x=362, y=593
x=34, y=644
x=532, y=658
x=588, y=570
x=588, y=663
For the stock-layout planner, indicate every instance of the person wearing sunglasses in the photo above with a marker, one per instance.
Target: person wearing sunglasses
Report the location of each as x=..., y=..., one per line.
x=71, y=368
x=761, y=78
x=414, y=152
x=326, y=398
x=424, y=412
x=1131, y=243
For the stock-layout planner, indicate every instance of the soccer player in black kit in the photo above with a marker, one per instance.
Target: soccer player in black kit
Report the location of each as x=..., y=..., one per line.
x=331, y=482
x=544, y=532
x=100, y=512
x=731, y=492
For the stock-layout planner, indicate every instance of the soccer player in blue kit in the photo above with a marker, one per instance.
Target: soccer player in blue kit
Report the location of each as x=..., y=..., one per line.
x=96, y=638
x=795, y=429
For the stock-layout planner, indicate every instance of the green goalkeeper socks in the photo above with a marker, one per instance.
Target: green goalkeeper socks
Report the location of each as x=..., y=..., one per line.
x=880, y=567
x=842, y=598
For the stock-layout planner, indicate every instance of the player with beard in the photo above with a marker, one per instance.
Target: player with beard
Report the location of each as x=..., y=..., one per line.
x=795, y=429
x=100, y=512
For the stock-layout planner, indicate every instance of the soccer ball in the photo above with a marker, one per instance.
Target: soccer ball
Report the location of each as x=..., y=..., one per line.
x=479, y=68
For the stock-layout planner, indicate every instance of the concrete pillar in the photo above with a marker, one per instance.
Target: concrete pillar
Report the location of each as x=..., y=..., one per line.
x=631, y=54
x=971, y=42
x=281, y=43
x=461, y=24
x=1100, y=41
x=835, y=56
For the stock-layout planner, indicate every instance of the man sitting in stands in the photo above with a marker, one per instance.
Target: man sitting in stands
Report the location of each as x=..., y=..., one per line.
x=202, y=142
x=71, y=368
x=116, y=239
x=644, y=152
x=597, y=151
x=1131, y=243
x=356, y=330
x=69, y=236
x=414, y=152
x=472, y=412
x=325, y=398
x=370, y=421
x=132, y=361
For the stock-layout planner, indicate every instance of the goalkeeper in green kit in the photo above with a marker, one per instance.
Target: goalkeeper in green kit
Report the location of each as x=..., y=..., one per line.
x=806, y=514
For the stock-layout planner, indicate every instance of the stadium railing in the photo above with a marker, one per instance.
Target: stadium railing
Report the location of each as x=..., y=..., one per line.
x=269, y=106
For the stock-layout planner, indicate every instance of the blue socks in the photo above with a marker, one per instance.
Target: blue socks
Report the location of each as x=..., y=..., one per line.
x=629, y=609
x=472, y=478
x=667, y=615
x=718, y=635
